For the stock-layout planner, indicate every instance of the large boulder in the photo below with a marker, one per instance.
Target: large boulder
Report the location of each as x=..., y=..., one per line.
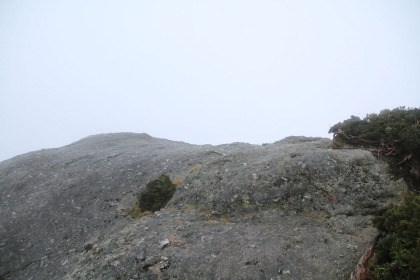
x=295, y=209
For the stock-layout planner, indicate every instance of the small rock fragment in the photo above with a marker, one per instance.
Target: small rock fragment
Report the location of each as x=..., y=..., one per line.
x=164, y=243
x=88, y=246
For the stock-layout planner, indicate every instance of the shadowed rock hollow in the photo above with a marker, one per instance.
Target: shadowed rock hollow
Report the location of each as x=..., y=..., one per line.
x=295, y=209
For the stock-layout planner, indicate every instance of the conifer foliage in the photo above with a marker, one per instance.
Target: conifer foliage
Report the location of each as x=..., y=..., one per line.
x=157, y=193
x=393, y=135
x=397, y=253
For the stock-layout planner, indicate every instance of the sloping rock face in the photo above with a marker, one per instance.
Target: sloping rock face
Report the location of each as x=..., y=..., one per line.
x=295, y=209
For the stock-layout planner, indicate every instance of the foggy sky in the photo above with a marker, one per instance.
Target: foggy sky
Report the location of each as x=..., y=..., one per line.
x=200, y=71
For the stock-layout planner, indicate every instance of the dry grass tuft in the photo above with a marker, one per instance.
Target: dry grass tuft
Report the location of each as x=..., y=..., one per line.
x=177, y=181
x=190, y=207
x=316, y=216
x=194, y=168
x=136, y=213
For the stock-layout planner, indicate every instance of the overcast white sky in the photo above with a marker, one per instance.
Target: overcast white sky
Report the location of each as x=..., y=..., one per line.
x=200, y=71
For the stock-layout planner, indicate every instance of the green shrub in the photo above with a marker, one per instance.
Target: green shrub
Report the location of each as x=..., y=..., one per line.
x=154, y=197
x=399, y=127
x=157, y=193
x=392, y=134
x=397, y=254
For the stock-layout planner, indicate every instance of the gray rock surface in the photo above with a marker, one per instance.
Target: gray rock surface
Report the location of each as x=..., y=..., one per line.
x=294, y=209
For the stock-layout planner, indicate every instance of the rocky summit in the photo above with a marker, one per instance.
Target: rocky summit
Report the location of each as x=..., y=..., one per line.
x=294, y=209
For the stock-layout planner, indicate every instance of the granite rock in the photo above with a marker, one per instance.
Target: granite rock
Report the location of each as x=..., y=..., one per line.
x=294, y=209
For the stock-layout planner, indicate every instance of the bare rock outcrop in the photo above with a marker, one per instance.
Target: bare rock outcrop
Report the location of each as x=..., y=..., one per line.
x=294, y=209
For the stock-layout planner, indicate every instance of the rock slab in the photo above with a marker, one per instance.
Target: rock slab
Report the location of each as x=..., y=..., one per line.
x=294, y=209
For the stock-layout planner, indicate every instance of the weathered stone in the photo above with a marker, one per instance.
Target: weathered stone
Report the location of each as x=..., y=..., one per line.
x=295, y=209
x=164, y=243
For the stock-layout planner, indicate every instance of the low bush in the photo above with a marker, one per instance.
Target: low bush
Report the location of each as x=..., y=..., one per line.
x=397, y=253
x=157, y=193
x=393, y=135
x=154, y=197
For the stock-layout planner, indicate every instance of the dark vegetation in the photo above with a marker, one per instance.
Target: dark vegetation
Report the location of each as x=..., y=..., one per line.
x=154, y=197
x=393, y=135
x=397, y=253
